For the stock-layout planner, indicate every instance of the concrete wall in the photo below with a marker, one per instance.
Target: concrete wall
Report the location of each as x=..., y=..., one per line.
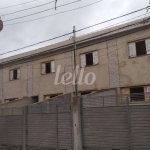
x=41, y=85
x=17, y=88
x=134, y=71
x=114, y=70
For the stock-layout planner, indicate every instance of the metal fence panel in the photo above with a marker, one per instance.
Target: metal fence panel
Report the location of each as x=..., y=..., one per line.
x=140, y=127
x=2, y=129
x=42, y=130
x=106, y=128
x=11, y=127
x=13, y=130
x=50, y=124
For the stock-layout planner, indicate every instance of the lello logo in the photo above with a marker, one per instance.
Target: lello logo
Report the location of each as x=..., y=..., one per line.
x=69, y=78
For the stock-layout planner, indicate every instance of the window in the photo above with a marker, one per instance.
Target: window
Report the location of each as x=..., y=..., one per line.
x=85, y=93
x=137, y=94
x=14, y=74
x=139, y=48
x=53, y=95
x=10, y=100
x=89, y=59
x=48, y=67
x=47, y=97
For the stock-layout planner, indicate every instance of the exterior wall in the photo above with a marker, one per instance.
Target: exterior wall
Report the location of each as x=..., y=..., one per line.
x=44, y=84
x=113, y=63
x=134, y=71
x=101, y=70
x=33, y=83
x=16, y=88
x=114, y=70
x=68, y=67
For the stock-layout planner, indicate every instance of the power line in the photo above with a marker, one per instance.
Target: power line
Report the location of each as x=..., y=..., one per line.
x=19, y=4
x=52, y=14
x=37, y=43
x=122, y=43
x=117, y=23
x=71, y=43
x=27, y=9
x=62, y=36
x=113, y=19
x=39, y=11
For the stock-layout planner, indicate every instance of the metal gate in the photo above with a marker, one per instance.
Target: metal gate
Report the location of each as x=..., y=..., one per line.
x=50, y=124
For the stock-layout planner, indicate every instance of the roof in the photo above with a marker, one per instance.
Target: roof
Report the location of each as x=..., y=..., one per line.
x=106, y=32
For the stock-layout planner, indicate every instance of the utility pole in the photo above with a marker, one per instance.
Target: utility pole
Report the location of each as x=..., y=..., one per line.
x=75, y=63
x=1, y=25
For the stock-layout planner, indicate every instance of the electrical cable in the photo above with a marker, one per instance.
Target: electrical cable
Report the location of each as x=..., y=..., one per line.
x=122, y=43
x=58, y=60
x=27, y=9
x=112, y=19
x=72, y=43
x=51, y=14
x=37, y=12
x=19, y=4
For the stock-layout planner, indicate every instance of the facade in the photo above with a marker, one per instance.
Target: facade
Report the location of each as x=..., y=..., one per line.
x=118, y=56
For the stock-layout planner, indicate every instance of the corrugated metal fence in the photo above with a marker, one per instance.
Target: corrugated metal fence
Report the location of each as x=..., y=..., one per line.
x=46, y=125
x=54, y=124
x=106, y=126
x=11, y=127
x=50, y=124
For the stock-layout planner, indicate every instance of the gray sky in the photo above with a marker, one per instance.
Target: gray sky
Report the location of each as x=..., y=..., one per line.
x=17, y=36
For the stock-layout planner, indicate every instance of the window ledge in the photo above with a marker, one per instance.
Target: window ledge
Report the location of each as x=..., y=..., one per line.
x=48, y=73
x=138, y=56
x=14, y=80
x=89, y=66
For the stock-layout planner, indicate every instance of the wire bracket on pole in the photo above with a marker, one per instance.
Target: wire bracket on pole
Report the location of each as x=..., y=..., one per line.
x=55, y=4
x=148, y=8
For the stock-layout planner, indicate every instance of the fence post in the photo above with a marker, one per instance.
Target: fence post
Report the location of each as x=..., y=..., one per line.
x=57, y=147
x=25, y=128
x=129, y=121
x=77, y=133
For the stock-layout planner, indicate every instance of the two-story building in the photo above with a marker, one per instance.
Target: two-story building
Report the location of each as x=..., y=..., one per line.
x=118, y=57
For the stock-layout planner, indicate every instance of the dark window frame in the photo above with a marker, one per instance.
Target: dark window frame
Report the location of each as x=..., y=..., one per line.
x=85, y=93
x=140, y=48
x=15, y=76
x=137, y=94
x=45, y=67
x=89, y=59
x=85, y=53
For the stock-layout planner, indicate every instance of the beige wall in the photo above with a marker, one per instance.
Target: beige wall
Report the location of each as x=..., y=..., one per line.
x=100, y=70
x=16, y=88
x=132, y=72
x=44, y=84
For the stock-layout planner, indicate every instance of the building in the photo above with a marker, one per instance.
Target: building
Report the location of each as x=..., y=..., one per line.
x=118, y=56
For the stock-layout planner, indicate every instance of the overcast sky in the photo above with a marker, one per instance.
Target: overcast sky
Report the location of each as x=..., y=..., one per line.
x=16, y=36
